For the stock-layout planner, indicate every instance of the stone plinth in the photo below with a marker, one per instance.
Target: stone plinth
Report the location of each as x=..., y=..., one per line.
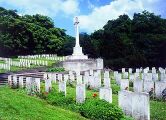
x=77, y=57
x=82, y=64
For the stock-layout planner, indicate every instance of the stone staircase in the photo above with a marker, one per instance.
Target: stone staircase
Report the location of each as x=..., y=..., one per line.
x=25, y=73
x=3, y=78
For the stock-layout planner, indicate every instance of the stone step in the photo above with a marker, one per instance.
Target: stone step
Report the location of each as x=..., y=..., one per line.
x=4, y=77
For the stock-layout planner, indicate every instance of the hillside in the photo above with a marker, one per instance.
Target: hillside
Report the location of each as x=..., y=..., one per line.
x=16, y=105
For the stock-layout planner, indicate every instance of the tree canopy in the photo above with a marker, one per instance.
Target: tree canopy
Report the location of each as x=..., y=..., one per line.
x=22, y=35
x=126, y=42
x=122, y=42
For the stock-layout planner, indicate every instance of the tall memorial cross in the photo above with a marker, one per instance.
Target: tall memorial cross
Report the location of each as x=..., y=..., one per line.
x=76, y=22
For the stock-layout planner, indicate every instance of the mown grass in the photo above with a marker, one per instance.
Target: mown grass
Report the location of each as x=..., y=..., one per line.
x=16, y=105
x=157, y=110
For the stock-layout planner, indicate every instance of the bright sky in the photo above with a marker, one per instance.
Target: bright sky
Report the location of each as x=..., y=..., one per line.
x=93, y=14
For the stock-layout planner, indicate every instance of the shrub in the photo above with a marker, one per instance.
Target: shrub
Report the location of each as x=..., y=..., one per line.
x=59, y=99
x=57, y=69
x=42, y=95
x=100, y=110
x=115, y=88
x=113, y=82
x=131, y=84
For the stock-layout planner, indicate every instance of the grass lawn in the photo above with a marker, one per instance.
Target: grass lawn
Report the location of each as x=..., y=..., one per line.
x=15, y=105
x=157, y=110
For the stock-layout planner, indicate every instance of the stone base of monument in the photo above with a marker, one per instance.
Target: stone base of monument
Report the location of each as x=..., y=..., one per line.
x=77, y=54
x=77, y=57
x=82, y=64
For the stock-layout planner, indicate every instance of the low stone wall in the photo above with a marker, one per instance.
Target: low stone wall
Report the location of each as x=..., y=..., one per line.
x=82, y=65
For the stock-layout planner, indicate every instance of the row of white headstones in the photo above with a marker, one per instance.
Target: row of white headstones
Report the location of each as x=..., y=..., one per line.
x=135, y=104
x=27, y=61
x=94, y=81
x=143, y=82
x=46, y=56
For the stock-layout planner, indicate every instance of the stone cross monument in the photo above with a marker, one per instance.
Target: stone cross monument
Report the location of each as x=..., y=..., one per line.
x=77, y=50
x=76, y=22
x=78, y=61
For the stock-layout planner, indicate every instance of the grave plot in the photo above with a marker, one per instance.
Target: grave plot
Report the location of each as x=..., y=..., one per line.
x=79, y=93
x=28, y=62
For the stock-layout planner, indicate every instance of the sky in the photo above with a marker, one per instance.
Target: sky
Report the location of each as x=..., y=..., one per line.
x=92, y=14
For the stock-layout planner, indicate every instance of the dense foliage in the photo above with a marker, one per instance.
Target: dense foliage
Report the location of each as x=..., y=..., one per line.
x=92, y=108
x=122, y=42
x=56, y=69
x=101, y=110
x=22, y=35
x=126, y=42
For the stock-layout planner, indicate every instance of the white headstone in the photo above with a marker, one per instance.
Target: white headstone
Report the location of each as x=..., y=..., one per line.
x=97, y=82
x=45, y=76
x=54, y=77
x=66, y=77
x=91, y=81
x=147, y=76
x=125, y=100
x=163, y=77
x=132, y=77
x=60, y=77
x=124, y=85
x=48, y=85
x=138, y=86
x=153, y=70
x=71, y=77
x=159, y=87
x=123, y=70
x=49, y=76
x=107, y=82
x=80, y=93
x=106, y=94
x=91, y=72
x=118, y=78
x=155, y=77
x=140, y=106
x=28, y=84
x=79, y=79
x=135, y=104
x=137, y=75
x=37, y=82
x=14, y=80
x=62, y=87
x=21, y=84
x=86, y=79
x=148, y=86
x=130, y=70
x=10, y=80
x=86, y=73
x=125, y=75
x=137, y=70
x=115, y=73
x=106, y=74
